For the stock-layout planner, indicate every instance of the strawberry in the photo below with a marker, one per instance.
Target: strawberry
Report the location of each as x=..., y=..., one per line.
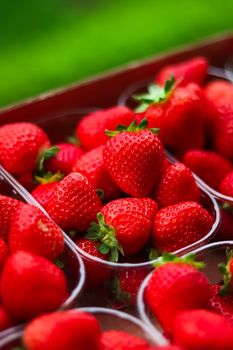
x=31, y=285
x=92, y=166
x=208, y=165
x=33, y=231
x=190, y=71
x=95, y=272
x=178, y=112
x=27, y=181
x=227, y=271
x=176, y=285
x=74, y=203
x=6, y=319
x=8, y=206
x=64, y=160
x=119, y=340
x=91, y=129
x=179, y=225
x=219, y=90
x=202, y=330
x=223, y=305
x=226, y=185
x=20, y=145
x=176, y=185
x=124, y=225
x=134, y=159
x=4, y=252
x=63, y=330
x=169, y=347
x=43, y=192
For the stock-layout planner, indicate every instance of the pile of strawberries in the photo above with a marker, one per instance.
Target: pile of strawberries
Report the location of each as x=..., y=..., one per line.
x=193, y=313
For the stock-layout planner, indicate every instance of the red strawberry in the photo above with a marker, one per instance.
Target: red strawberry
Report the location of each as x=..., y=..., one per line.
x=4, y=252
x=226, y=185
x=175, y=286
x=33, y=231
x=169, y=347
x=8, y=206
x=31, y=285
x=20, y=145
x=178, y=112
x=92, y=166
x=190, y=71
x=63, y=330
x=27, y=181
x=6, y=320
x=223, y=305
x=202, y=330
x=43, y=192
x=179, y=225
x=177, y=184
x=227, y=271
x=64, y=160
x=123, y=225
x=119, y=340
x=208, y=165
x=134, y=159
x=95, y=272
x=219, y=90
x=74, y=203
x=91, y=129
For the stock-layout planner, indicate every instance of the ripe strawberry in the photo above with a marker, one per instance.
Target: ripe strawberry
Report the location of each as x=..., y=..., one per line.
x=134, y=158
x=31, y=285
x=179, y=225
x=190, y=71
x=64, y=160
x=74, y=203
x=124, y=225
x=223, y=305
x=27, y=181
x=95, y=272
x=226, y=185
x=8, y=206
x=178, y=112
x=6, y=319
x=219, y=90
x=69, y=330
x=174, y=286
x=91, y=165
x=119, y=340
x=176, y=185
x=208, y=165
x=20, y=145
x=91, y=129
x=4, y=252
x=169, y=347
x=227, y=270
x=202, y=330
x=33, y=231
x=43, y=192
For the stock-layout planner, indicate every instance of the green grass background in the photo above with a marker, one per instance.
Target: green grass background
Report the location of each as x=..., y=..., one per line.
x=49, y=43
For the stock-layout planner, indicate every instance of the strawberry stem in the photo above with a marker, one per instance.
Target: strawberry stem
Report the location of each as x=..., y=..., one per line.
x=49, y=177
x=187, y=259
x=133, y=127
x=45, y=155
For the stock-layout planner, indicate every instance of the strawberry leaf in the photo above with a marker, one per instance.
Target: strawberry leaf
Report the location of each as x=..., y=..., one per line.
x=73, y=140
x=100, y=193
x=224, y=269
x=187, y=259
x=45, y=155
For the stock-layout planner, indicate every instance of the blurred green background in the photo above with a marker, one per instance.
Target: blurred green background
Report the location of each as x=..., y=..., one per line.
x=50, y=43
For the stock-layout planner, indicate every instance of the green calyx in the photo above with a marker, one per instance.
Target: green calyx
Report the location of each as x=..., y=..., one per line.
x=73, y=140
x=133, y=127
x=155, y=94
x=105, y=235
x=187, y=259
x=224, y=269
x=118, y=292
x=227, y=207
x=49, y=177
x=45, y=155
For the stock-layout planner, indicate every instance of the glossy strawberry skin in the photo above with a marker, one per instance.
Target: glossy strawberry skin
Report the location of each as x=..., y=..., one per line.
x=65, y=159
x=4, y=252
x=113, y=339
x=132, y=220
x=20, y=145
x=174, y=287
x=8, y=206
x=43, y=192
x=74, y=203
x=179, y=225
x=40, y=285
x=209, y=166
x=92, y=166
x=135, y=161
x=223, y=305
x=180, y=119
x=169, y=347
x=226, y=185
x=176, y=185
x=91, y=129
x=219, y=90
x=189, y=71
x=96, y=273
x=62, y=330
x=200, y=329
x=31, y=230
